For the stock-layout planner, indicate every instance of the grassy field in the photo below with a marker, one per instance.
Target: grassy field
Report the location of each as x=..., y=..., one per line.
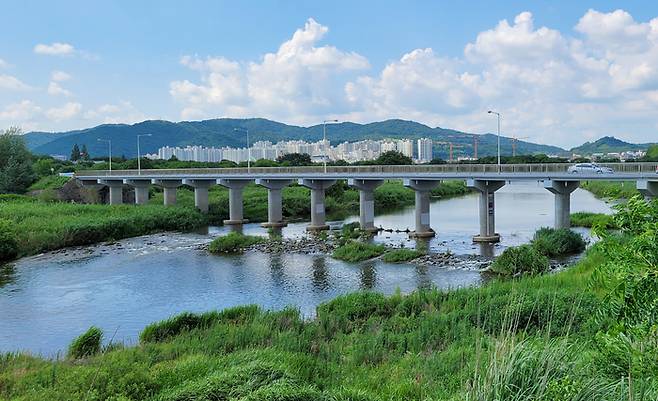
x=611, y=189
x=43, y=226
x=575, y=335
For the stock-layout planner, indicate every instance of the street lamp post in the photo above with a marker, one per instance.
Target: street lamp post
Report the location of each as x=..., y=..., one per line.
x=498, y=115
x=139, y=156
x=324, y=142
x=248, y=148
x=109, y=143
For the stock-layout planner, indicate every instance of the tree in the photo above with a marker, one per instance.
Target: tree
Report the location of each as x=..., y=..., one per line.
x=652, y=153
x=83, y=153
x=75, y=153
x=43, y=167
x=16, y=173
x=393, y=158
x=295, y=159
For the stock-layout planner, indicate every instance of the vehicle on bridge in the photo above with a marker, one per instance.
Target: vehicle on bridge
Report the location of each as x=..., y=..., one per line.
x=589, y=168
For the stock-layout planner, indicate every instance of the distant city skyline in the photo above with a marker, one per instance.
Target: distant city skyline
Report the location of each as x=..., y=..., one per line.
x=560, y=73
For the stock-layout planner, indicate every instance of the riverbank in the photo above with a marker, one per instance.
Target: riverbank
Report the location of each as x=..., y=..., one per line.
x=611, y=189
x=36, y=226
x=536, y=336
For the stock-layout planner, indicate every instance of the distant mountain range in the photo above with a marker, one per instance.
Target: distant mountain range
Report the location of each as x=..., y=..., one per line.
x=608, y=144
x=220, y=132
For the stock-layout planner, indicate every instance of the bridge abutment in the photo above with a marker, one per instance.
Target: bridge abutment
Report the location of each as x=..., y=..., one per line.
x=562, y=191
x=115, y=187
x=318, y=213
x=235, y=201
x=141, y=190
x=169, y=189
x=422, y=189
x=274, y=201
x=649, y=189
x=366, y=201
x=201, y=186
x=487, y=208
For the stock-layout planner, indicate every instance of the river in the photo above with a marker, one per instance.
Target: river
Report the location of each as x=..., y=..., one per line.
x=47, y=300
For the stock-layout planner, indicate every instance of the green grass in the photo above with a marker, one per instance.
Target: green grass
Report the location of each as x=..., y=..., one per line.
x=87, y=344
x=357, y=251
x=402, y=255
x=233, y=242
x=589, y=220
x=611, y=189
x=561, y=242
x=523, y=339
x=520, y=260
x=44, y=226
x=49, y=182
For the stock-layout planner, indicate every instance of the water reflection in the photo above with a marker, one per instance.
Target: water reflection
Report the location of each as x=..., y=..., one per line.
x=368, y=275
x=487, y=250
x=423, y=278
x=7, y=274
x=320, y=275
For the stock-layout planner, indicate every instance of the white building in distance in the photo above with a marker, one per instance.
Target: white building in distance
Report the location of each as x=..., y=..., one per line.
x=425, y=150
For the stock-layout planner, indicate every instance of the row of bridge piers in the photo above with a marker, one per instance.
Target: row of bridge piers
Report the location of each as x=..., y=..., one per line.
x=486, y=188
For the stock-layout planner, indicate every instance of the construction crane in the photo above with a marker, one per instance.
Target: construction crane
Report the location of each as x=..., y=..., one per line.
x=451, y=147
x=514, y=139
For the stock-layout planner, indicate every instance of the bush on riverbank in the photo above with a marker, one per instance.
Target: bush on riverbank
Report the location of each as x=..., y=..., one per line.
x=233, y=242
x=8, y=242
x=87, y=344
x=519, y=261
x=560, y=242
x=45, y=226
x=402, y=255
x=611, y=189
x=357, y=251
x=589, y=220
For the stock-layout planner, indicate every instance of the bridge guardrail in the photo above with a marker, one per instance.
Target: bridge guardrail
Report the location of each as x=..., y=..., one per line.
x=642, y=167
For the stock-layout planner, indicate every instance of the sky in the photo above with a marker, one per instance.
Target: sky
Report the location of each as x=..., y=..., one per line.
x=559, y=72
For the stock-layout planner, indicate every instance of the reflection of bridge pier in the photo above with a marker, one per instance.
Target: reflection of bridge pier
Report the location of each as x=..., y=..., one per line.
x=485, y=179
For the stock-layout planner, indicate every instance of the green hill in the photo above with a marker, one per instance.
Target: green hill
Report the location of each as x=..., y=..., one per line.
x=220, y=132
x=608, y=144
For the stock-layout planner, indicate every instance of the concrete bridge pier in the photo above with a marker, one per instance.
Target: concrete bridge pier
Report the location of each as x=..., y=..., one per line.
x=366, y=201
x=422, y=189
x=317, y=187
x=274, y=201
x=200, y=192
x=169, y=187
x=115, y=187
x=487, y=189
x=141, y=190
x=562, y=191
x=235, y=202
x=648, y=188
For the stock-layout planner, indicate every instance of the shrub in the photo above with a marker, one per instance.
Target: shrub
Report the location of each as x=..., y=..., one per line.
x=402, y=255
x=552, y=242
x=8, y=242
x=520, y=260
x=160, y=331
x=356, y=251
x=233, y=243
x=587, y=219
x=88, y=344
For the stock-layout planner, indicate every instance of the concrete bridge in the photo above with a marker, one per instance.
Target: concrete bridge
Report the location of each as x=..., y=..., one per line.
x=486, y=179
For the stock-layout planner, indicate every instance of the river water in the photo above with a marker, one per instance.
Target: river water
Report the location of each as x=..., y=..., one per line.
x=47, y=300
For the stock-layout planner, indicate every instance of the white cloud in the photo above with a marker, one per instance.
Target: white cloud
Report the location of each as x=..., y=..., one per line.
x=56, y=89
x=301, y=81
x=3, y=63
x=12, y=83
x=110, y=113
x=54, y=49
x=65, y=112
x=555, y=87
x=17, y=113
x=59, y=76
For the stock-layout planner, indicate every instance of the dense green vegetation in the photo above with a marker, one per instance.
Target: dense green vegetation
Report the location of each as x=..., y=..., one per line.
x=16, y=172
x=40, y=226
x=611, y=189
x=49, y=182
x=233, y=242
x=586, y=333
x=87, y=344
x=356, y=251
x=552, y=243
x=519, y=261
x=402, y=255
x=587, y=219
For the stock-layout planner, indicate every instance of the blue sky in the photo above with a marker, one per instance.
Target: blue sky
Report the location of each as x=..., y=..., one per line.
x=560, y=72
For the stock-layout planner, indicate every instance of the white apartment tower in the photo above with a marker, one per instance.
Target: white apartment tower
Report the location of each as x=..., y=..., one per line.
x=424, y=150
